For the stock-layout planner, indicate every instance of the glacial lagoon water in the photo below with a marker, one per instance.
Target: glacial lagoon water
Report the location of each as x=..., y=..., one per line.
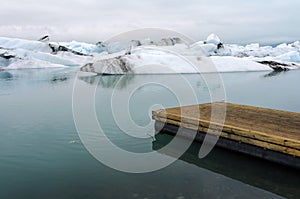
x=42, y=156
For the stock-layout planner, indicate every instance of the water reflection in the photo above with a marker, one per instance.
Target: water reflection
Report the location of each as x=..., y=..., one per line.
x=37, y=76
x=37, y=126
x=108, y=81
x=197, y=81
x=59, y=78
x=274, y=73
x=272, y=177
x=5, y=75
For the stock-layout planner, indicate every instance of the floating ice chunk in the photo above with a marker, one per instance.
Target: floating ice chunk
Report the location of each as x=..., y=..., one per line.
x=252, y=46
x=82, y=47
x=45, y=57
x=283, y=45
x=296, y=44
x=31, y=63
x=206, y=48
x=213, y=39
x=158, y=62
x=282, y=49
x=12, y=43
x=22, y=53
x=292, y=56
x=235, y=64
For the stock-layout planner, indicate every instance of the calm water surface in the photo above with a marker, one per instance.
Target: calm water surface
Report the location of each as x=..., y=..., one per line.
x=41, y=155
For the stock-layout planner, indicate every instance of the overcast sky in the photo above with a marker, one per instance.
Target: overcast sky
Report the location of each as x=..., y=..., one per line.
x=235, y=21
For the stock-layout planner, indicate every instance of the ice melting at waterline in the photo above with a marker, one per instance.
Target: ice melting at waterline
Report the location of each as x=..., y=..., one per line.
x=127, y=57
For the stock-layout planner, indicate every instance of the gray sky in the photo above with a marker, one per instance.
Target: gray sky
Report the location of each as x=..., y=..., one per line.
x=235, y=21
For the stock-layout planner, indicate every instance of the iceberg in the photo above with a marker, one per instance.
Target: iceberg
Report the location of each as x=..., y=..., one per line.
x=220, y=58
x=21, y=54
x=81, y=47
x=292, y=56
x=213, y=39
x=165, y=55
x=117, y=46
x=32, y=63
x=145, y=61
x=13, y=43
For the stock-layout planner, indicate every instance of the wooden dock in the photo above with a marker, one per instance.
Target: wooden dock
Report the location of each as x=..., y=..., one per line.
x=270, y=134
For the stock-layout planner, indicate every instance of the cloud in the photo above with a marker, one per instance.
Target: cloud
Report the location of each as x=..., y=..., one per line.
x=94, y=20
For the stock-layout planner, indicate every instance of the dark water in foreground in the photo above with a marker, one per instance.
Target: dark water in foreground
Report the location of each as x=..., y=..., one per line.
x=41, y=155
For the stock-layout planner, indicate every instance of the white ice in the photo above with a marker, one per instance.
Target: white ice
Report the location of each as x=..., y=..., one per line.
x=225, y=57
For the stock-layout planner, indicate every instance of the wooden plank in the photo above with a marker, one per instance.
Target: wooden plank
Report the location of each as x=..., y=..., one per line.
x=241, y=139
x=235, y=130
x=187, y=115
x=245, y=148
x=272, y=129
